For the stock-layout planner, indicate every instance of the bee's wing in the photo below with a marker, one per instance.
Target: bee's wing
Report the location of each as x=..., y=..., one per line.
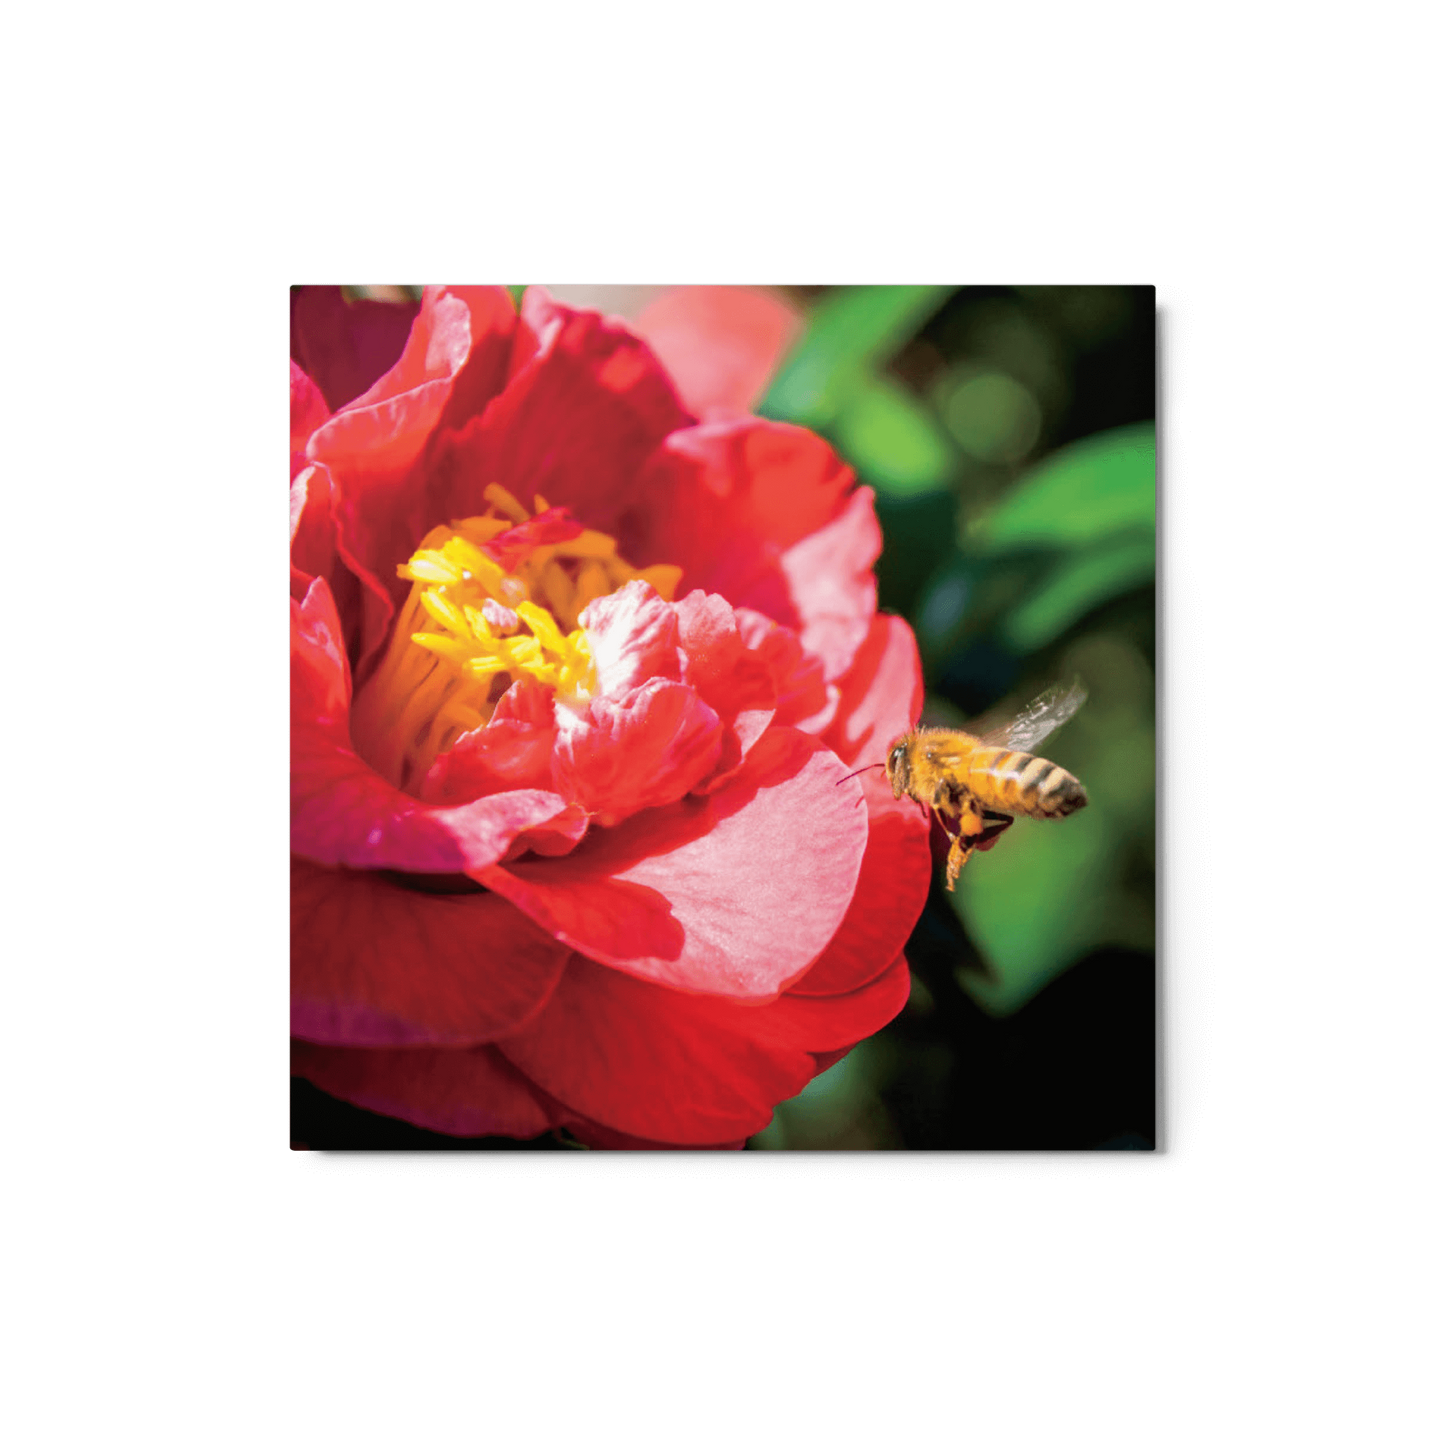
x=1049, y=710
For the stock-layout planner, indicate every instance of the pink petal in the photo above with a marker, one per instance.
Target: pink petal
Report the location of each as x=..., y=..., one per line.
x=314, y=555
x=645, y=749
x=735, y=894
x=460, y=334
x=804, y=699
x=632, y=634
x=892, y=889
x=718, y=665
x=308, y=411
x=720, y=344
x=320, y=676
x=880, y=696
x=830, y=579
x=465, y=1092
x=374, y=962
x=345, y=815
x=514, y=750
x=313, y=533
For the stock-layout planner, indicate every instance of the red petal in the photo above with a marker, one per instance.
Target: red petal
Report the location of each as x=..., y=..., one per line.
x=775, y=482
x=830, y=578
x=892, y=889
x=655, y=1064
x=734, y=894
x=348, y=817
x=679, y=1068
x=373, y=962
x=509, y=548
x=839, y=1021
x=632, y=635
x=461, y=342
x=645, y=749
x=308, y=411
x=514, y=750
x=320, y=677
x=720, y=344
x=804, y=699
x=313, y=535
x=575, y=423
x=880, y=696
x=462, y=335
x=598, y=1136
x=345, y=815
x=314, y=555
x=465, y=1092
x=346, y=345
x=764, y=514
x=736, y=684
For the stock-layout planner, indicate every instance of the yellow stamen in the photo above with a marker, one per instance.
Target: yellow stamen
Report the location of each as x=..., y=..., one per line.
x=444, y=611
x=469, y=630
x=506, y=503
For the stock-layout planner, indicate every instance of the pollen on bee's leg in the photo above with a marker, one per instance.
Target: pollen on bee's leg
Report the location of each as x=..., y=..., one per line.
x=957, y=857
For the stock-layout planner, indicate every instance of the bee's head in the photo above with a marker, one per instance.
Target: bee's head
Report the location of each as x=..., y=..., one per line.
x=899, y=770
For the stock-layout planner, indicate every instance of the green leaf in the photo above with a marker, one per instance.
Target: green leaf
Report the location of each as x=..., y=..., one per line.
x=1081, y=582
x=992, y=417
x=853, y=332
x=890, y=436
x=1035, y=903
x=1083, y=493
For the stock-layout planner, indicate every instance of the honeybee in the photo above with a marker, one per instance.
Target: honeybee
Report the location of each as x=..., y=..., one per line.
x=986, y=781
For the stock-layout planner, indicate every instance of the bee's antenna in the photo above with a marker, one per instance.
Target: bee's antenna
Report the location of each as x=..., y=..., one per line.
x=863, y=769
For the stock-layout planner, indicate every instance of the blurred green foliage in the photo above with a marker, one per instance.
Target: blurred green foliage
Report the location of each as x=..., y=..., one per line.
x=1008, y=433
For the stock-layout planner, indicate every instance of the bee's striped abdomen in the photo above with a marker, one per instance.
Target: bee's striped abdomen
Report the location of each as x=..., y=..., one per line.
x=1020, y=783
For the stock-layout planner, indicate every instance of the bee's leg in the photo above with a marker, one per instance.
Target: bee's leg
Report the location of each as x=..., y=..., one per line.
x=957, y=857
x=957, y=853
x=970, y=829
x=997, y=823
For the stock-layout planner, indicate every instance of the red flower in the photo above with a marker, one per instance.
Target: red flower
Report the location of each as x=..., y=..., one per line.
x=575, y=680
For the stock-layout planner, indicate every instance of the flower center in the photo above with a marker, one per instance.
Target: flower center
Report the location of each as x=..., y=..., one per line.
x=494, y=599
